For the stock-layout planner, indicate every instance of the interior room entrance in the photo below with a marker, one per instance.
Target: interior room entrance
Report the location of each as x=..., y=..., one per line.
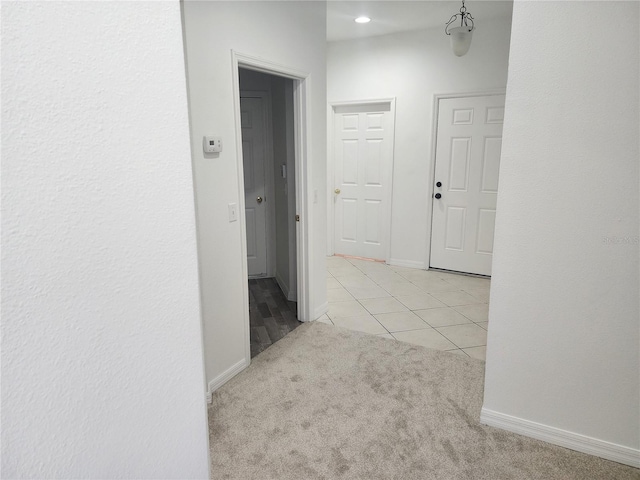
x=268, y=155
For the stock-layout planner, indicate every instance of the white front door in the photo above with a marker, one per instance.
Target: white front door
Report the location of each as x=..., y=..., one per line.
x=253, y=158
x=469, y=139
x=363, y=155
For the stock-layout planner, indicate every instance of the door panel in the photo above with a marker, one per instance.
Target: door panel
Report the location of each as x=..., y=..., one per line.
x=253, y=158
x=459, y=164
x=363, y=153
x=349, y=219
x=373, y=166
x=349, y=162
x=469, y=139
x=491, y=164
x=372, y=218
x=486, y=227
x=455, y=228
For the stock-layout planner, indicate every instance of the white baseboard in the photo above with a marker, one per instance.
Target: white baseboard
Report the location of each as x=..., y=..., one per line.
x=406, y=263
x=563, y=438
x=225, y=376
x=321, y=310
x=289, y=294
x=283, y=286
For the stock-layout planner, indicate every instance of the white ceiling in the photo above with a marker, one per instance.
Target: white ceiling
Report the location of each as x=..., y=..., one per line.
x=390, y=16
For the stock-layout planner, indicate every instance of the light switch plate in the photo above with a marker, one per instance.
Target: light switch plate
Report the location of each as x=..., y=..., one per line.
x=233, y=212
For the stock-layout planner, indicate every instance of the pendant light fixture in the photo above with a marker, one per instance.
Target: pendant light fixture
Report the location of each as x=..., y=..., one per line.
x=460, y=36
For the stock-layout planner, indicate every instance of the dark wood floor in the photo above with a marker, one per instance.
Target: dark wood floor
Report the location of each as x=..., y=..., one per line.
x=271, y=315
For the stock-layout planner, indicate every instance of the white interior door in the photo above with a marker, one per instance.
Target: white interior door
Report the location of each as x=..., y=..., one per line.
x=253, y=158
x=363, y=156
x=469, y=139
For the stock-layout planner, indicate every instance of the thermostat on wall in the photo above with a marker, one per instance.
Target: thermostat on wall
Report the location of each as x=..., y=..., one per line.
x=211, y=144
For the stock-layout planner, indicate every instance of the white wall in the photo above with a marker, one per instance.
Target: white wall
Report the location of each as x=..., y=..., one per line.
x=287, y=33
x=413, y=67
x=564, y=319
x=102, y=369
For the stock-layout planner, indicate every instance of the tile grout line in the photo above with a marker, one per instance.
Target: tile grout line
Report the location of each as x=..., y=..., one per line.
x=408, y=274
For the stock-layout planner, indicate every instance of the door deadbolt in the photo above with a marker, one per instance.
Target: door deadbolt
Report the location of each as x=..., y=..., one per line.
x=438, y=184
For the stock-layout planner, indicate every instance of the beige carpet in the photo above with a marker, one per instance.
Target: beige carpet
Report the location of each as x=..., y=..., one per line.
x=327, y=403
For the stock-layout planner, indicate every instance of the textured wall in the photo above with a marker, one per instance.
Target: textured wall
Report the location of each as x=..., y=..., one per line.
x=413, y=67
x=102, y=372
x=564, y=318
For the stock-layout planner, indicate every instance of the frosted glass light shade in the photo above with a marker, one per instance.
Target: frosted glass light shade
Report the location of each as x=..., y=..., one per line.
x=460, y=40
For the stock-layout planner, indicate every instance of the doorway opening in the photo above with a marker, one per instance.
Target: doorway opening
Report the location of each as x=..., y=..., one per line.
x=267, y=121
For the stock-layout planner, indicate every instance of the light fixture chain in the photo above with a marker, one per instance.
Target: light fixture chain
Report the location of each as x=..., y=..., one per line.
x=465, y=18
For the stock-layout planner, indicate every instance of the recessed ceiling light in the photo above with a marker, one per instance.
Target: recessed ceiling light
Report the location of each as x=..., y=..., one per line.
x=363, y=20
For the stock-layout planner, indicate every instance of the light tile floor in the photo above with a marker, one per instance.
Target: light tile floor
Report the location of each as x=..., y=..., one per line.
x=434, y=309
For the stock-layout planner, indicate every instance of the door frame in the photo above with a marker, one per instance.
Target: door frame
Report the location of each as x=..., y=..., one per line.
x=269, y=188
x=302, y=141
x=432, y=160
x=331, y=169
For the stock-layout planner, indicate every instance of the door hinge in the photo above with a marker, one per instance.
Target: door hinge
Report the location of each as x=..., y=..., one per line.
x=297, y=218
